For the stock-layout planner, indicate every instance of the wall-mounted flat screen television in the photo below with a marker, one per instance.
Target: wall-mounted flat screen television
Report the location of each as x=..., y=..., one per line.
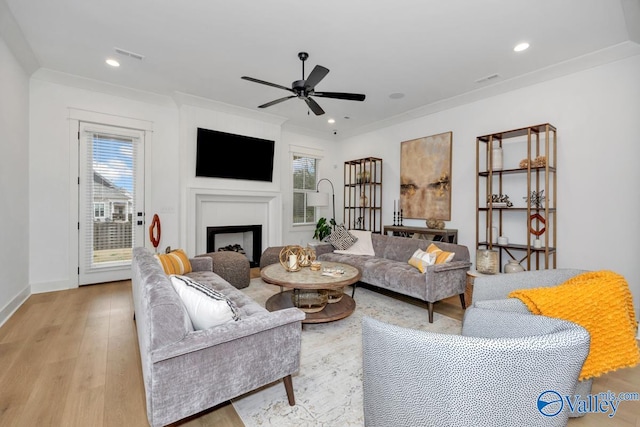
x=227, y=155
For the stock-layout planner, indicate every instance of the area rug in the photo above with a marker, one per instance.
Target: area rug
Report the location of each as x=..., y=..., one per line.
x=328, y=387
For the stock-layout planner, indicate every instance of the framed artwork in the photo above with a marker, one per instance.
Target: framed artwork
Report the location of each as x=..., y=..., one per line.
x=425, y=177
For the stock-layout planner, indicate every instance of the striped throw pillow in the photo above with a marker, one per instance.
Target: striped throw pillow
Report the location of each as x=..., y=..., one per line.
x=441, y=256
x=206, y=306
x=421, y=260
x=340, y=238
x=175, y=262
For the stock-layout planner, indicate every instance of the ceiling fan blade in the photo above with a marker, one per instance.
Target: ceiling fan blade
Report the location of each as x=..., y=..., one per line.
x=262, y=82
x=313, y=106
x=318, y=73
x=340, y=95
x=277, y=101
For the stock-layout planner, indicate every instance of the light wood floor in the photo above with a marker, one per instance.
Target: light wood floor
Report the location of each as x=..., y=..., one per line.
x=70, y=358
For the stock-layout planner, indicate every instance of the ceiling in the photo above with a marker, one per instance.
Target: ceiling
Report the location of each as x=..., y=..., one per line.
x=434, y=52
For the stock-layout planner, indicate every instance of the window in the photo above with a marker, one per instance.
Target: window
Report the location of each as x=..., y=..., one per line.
x=304, y=181
x=98, y=210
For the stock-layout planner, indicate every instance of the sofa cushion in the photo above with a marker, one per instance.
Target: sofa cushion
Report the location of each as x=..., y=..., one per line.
x=340, y=238
x=362, y=246
x=175, y=262
x=441, y=256
x=206, y=307
x=421, y=259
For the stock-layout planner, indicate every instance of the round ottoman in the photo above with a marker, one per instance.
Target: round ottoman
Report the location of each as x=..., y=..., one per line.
x=232, y=267
x=271, y=255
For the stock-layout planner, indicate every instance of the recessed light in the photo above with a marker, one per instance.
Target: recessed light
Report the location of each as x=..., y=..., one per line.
x=396, y=95
x=331, y=121
x=520, y=47
x=112, y=62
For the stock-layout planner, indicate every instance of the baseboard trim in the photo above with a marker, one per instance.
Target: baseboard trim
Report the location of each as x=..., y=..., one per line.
x=14, y=305
x=62, y=285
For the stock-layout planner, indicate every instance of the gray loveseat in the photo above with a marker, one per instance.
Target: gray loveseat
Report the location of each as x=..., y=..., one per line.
x=186, y=371
x=389, y=268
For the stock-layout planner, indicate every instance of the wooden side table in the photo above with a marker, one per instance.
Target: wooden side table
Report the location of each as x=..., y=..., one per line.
x=468, y=291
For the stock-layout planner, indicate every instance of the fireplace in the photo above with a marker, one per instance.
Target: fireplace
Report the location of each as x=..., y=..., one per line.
x=249, y=237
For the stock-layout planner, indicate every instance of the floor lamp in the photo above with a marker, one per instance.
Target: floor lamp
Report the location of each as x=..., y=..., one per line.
x=318, y=199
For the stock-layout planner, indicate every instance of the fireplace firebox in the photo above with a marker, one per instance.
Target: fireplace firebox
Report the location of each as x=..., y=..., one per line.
x=250, y=241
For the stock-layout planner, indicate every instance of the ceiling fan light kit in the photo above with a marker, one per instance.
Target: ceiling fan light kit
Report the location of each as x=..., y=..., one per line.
x=305, y=88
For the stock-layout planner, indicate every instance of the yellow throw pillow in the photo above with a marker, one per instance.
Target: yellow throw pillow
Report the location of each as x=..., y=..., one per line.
x=421, y=259
x=441, y=256
x=175, y=262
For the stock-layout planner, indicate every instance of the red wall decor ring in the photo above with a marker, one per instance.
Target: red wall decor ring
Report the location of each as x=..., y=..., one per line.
x=535, y=231
x=155, y=229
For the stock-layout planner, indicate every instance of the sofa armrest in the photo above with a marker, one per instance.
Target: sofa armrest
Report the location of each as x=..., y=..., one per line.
x=447, y=266
x=322, y=248
x=201, y=263
x=198, y=340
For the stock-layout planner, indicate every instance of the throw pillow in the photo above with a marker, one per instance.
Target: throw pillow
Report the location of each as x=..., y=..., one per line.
x=340, y=238
x=421, y=260
x=175, y=262
x=362, y=246
x=441, y=256
x=206, y=307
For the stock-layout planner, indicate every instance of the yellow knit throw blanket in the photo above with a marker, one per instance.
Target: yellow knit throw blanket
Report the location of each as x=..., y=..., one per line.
x=601, y=302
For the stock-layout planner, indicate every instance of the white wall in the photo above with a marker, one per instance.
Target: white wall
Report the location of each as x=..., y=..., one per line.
x=595, y=112
x=170, y=160
x=14, y=183
x=329, y=167
x=53, y=158
x=597, y=115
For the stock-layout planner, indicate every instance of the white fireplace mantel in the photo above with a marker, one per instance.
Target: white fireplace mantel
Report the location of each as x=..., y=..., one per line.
x=215, y=207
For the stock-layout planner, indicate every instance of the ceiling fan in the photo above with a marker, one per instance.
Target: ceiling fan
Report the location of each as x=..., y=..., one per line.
x=305, y=88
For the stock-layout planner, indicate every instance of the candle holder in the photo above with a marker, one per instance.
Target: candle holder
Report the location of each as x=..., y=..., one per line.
x=290, y=257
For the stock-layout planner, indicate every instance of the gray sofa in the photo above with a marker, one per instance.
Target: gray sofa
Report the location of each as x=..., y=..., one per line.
x=187, y=371
x=389, y=268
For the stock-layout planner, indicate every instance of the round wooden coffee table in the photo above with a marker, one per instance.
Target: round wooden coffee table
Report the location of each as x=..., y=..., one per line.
x=306, y=279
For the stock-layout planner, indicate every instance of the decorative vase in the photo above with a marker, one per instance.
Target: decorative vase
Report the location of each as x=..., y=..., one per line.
x=513, y=266
x=487, y=261
x=364, y=200
x=496, y=158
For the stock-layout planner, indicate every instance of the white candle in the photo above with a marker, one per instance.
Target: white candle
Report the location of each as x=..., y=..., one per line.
x=293, y=262
x=394, y=206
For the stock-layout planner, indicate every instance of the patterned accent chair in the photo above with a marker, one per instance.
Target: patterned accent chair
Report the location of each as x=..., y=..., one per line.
x=491, y=292
x=497, y=373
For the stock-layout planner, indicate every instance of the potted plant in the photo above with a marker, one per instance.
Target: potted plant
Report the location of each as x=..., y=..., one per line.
x=323, y=228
